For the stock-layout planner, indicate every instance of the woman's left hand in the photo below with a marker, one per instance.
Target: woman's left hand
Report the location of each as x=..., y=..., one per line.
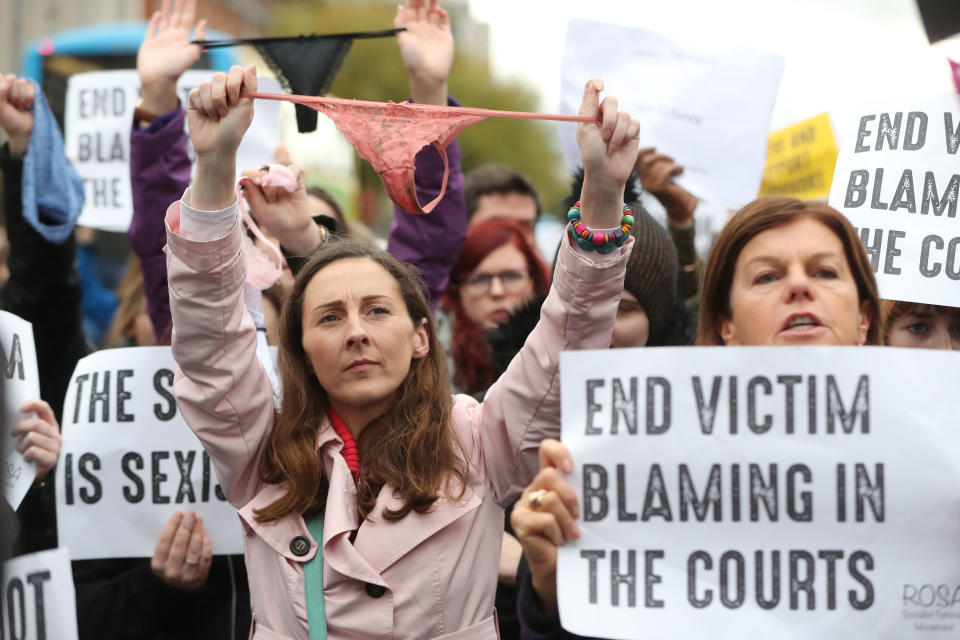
x=283, y=214
x=608, y=150
x=183, y=554
x=41, y=436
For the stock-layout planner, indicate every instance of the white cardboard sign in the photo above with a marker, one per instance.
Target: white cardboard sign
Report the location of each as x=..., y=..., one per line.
x=21, y=380
x=129, y=461
x=702, y=107
x=38, y=597
x=898, y=182
x=98, y=119
x=760, y=492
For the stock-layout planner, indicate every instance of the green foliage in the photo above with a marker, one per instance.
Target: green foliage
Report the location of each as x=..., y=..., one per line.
x=373, y=70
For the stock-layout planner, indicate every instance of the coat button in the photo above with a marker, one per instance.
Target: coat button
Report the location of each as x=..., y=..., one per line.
x=300, y=546
x=374, y=590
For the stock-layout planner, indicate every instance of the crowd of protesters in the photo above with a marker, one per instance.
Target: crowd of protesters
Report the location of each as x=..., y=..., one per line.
x=408, y=436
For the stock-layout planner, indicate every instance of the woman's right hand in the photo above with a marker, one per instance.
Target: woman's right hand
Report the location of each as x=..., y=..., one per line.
x=544, y=519
x=183, y=554
x=16, y=100
x=426, y=48
x=218, y=117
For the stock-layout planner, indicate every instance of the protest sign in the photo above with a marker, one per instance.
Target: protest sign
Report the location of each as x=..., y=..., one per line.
x=709, y=110
x=21, y=382
x=38, y=597
x=98, y=119
x=129, y=461
x=758, y=492
x=801, y=160
x=897, y=182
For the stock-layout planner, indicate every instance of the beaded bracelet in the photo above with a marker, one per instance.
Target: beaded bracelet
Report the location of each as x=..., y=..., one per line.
x=603, y=240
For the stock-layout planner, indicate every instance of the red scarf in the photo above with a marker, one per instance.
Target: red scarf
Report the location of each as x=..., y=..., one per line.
x=349, y=451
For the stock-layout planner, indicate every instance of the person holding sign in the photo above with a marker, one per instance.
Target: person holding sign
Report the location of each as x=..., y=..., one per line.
x=372, y=499
x=39, y=436
x=781, y=272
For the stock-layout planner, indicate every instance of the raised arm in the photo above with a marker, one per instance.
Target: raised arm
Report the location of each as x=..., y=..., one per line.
x=159, y=164
x=43, y=289
x=221, y=387
x=523, y=406
x=430, y=242
x=657, y=171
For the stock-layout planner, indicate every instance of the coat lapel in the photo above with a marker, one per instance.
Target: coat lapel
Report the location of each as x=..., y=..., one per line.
x=340, y=516
x=279, y=533
x=379, y=543
x=383, y=542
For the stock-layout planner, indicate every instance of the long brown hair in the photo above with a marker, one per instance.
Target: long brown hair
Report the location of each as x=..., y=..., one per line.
x=412, y=446
x=756, y=217
x=472, y=363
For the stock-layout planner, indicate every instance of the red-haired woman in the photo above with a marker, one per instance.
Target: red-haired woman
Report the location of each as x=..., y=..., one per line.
x=497, y=271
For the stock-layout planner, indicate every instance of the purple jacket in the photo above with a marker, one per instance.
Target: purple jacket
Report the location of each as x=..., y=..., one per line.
x=159, y=174
x=433, y=241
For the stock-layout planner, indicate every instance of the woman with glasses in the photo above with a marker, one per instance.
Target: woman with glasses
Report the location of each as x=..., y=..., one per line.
x=496, y=272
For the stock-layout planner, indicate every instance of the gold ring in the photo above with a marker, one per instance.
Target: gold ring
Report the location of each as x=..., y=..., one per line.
x=535, y=499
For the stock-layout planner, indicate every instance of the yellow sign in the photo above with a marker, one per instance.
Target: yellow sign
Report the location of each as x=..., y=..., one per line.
x=800, y=160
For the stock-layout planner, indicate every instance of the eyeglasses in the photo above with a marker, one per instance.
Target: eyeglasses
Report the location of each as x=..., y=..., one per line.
x=479, y=283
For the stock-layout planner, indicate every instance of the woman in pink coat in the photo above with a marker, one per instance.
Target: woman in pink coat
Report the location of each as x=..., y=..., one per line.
x=408, y=480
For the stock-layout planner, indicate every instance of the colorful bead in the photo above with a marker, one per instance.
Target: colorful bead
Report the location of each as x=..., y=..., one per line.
x=600, y=241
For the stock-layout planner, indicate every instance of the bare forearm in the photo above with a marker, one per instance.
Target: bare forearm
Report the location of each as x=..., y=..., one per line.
x=213, y=187
x=424, y=92
x=601, y=202
x=302, y=243
x=159, y=97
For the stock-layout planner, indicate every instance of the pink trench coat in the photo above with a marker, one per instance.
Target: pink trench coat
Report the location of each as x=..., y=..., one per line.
x=429, y=575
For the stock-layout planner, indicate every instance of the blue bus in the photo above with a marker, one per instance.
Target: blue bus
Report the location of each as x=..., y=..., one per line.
x=97, y=48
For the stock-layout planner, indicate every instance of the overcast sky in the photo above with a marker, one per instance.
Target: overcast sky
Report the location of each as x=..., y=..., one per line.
x=838, y=52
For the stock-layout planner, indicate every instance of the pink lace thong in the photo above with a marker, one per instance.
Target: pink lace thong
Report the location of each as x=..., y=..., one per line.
x=389, y=135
